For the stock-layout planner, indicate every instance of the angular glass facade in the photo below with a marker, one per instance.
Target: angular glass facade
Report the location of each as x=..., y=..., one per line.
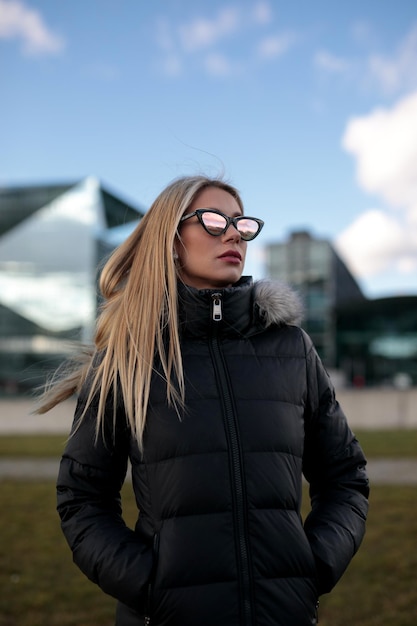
x=52, y=240
x=312, y=267
x=369, y=342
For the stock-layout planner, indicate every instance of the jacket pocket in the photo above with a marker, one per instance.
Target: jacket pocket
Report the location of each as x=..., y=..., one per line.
x=149, y=598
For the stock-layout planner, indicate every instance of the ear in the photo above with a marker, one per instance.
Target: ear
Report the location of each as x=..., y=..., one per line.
x=175, y=254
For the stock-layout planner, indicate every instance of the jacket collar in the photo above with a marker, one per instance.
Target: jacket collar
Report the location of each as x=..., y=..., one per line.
x=247, y=308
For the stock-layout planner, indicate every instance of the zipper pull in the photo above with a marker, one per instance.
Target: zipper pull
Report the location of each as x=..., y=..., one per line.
x=217, y=307
x=147, y=621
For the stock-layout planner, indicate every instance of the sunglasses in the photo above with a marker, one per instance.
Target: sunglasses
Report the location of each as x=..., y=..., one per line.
x=216, y=223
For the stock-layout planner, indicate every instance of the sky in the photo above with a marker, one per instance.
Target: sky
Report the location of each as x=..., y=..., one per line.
x=308, y=108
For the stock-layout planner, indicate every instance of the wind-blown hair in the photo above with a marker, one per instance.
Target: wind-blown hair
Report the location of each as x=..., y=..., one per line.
x=138, y=320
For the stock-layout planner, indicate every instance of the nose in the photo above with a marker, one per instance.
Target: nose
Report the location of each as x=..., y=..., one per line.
x=232, y=233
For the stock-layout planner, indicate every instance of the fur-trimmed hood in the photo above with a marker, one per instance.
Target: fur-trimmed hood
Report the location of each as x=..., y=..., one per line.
x=277, y=303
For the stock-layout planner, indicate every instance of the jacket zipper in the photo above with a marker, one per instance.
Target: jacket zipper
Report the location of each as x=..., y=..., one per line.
x=155, y=553
x=236, y=462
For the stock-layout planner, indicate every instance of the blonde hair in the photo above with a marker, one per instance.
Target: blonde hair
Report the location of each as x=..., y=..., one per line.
x=138, y=320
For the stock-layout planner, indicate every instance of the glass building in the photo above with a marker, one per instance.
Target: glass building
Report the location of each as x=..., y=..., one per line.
x=323, y=281
x=52, y=240
x=377, y=341
x=367, y=342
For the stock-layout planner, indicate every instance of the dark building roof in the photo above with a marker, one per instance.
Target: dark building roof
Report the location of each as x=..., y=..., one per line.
x=17, y=203
x=118, y=212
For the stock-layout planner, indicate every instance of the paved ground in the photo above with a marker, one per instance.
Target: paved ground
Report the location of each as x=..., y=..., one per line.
x=16, y=417
x=365, y=409
x=381, y=471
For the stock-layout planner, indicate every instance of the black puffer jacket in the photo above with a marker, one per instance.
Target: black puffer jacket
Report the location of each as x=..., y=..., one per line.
x=219, y=540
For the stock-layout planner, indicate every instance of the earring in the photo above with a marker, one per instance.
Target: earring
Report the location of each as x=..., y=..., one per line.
x=175, y=256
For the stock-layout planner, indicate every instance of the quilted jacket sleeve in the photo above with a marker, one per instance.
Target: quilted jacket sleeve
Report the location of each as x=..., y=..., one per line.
x=335, y=467
x=90, y=478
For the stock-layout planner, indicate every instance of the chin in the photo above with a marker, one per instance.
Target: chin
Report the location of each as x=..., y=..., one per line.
x=229, y=281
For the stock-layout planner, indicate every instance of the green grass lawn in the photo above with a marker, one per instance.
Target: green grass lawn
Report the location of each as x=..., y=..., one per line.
x=40, y=585
x=35, y=446
x=379, y=443
x=388, y=443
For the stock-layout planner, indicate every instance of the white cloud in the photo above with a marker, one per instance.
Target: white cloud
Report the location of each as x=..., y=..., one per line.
x=218, y=65
x=18, y=21
x=384, y=144
x=262, y=12
x=203, y=32
x=389, y=74
x=274, y=46
x=212, y=43
x=400, y=70
x=330, y=62
x=377, y=242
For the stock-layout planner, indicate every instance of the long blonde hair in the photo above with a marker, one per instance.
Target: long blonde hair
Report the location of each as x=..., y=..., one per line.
x=139, y=318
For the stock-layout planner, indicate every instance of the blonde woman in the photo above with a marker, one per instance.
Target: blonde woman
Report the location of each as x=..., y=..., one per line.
x=205, y=382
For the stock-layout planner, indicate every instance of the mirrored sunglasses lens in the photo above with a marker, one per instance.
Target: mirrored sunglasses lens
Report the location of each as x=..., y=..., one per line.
x=214, y=222
x=247, y=228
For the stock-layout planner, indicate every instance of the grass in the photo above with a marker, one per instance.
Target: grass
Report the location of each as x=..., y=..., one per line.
x=40, y=584
x=34, y=446
x=389, y=443
x=378, y=443
x=379, y=587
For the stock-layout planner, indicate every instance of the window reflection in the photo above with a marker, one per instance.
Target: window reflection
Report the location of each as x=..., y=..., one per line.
x=47, y=261
x=48, y=267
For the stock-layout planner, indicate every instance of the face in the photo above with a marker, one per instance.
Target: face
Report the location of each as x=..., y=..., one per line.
x=204, y=261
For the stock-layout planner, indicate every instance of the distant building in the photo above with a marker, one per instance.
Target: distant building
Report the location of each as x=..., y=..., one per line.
x=323, y=281
x=366, y=341
x=377, y=341
x=52, y=239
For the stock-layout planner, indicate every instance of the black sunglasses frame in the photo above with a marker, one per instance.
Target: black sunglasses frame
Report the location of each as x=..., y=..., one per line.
x=229, y=220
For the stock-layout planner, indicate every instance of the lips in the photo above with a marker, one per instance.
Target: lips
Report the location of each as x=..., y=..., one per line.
x=232, y=255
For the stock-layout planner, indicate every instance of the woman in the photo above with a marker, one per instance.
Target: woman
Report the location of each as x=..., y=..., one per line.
x=205, y=382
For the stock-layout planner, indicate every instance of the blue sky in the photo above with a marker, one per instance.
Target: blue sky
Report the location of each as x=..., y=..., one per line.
x=309, y=108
